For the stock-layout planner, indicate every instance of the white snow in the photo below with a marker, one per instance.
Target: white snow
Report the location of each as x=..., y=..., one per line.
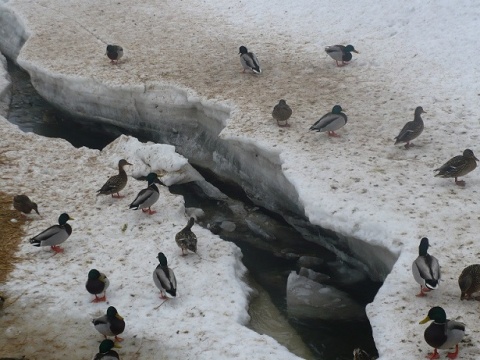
x=420, y=53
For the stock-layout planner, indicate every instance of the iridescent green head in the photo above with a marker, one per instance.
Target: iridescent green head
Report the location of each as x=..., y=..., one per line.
x=162, y=259
x=337, y=109
x=436, y=314
x=350, y=48
x=93, y=274
x=106, y=346
x=62, y=220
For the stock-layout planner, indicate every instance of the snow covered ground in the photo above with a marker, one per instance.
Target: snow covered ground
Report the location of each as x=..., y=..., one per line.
x=360, y=185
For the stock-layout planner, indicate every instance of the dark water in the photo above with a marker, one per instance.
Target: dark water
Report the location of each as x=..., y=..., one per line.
x=264, y=258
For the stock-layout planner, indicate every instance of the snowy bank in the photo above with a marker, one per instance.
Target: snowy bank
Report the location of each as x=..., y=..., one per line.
x=360, y=185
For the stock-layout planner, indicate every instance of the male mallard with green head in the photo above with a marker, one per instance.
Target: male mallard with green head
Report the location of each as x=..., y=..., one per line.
x=331, y=121
x=457, y=166
x=96, y=284
x=116, y=183
x=147, y=197
x=411, y=129
x=110, y=324
x=249, y=61
x=54, y=235
x=114, y=53
x=282, y=112
x=106, y=352
x=23, y=204
x=426, y=269
x=186, y=239
x=442, y=333
x=164, y=278
x=469, y=282
x=341, y=53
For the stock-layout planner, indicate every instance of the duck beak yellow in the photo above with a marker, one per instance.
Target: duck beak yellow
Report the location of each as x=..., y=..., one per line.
x=117, y=345
x=427, y=319
x=70, y=218
x=355, y=51
x=119, y=317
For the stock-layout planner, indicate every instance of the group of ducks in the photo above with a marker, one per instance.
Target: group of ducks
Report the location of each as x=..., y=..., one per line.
x=112, y=324
x=336, y=119
x=442, y=333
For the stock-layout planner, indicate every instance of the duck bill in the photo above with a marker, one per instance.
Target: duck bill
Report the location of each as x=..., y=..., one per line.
x=355, y=51
x=117, y=345
x=119, y=317
x=427, y=319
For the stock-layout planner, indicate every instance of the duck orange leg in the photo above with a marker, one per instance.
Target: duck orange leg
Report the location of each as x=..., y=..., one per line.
x=333, y=134
x=454, y=354
x=434, y=355
x=57, y=249
x=99, y=299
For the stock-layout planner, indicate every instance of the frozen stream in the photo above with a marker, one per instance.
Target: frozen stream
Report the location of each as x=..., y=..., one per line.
x=271, y=247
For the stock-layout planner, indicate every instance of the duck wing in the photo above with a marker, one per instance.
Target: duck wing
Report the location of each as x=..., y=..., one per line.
x=453, y=166
x=330, y=122
x=145, y=197
x=54, y=235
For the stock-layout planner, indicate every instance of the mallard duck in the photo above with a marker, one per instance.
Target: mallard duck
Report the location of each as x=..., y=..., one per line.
x=105, y=351
x=116, y=183
x=110, y=324
x=469, y=282
x=97, y=283
x=23, y=204
x=457, y=166
x=442, y=333
x=426, y=269
x=147, y=197
x=164, y=278
x=249, y=60
x=186, y=239
x=54, y=235
x=331, y=121
x=114, y=53
x=341, y=53
x=359, y=354
x=282, y=112
x=411, y=129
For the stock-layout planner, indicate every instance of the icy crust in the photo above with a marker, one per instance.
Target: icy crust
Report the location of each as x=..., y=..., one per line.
x=48, y=312
x=4, y=87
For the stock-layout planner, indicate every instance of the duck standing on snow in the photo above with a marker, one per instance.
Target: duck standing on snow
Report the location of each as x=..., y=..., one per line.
x=147, y=197
x=115, y=183
x=23, y=204
x=54, y=235
x=110, y=324
x=282, y=112
x=341, y=53
x=457, y=166
x=105, y=351
x=331, y=121
x=426, y=269
x=469, y=282
x=249, y=60
x=96, y=284
x=186, y=239
x=442, y=333
x=114, y=53
x=164, y=278
x=411, y=129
